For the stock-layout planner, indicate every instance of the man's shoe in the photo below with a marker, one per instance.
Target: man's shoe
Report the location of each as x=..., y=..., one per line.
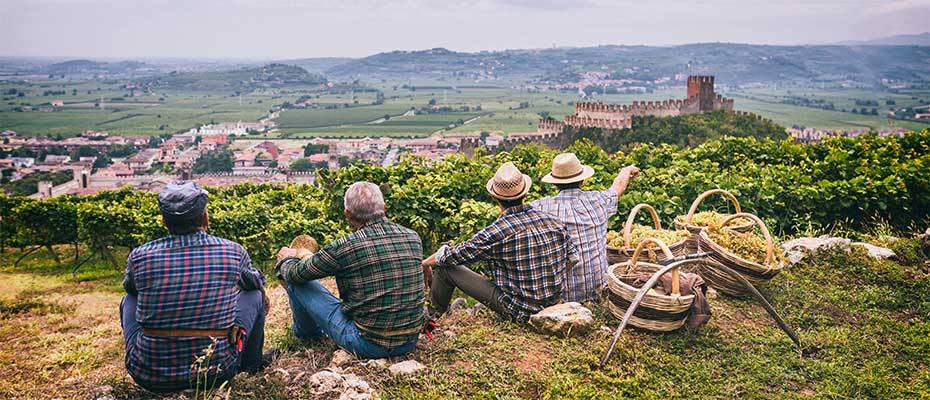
x=269, y=356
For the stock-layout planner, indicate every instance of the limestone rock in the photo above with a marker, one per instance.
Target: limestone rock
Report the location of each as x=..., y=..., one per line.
x=341, y=358
x=563, y=320
x=876, y=252
x=349, y=386
x=458, y=305
x=326, y=381
x=379, y=363
x=798, y=248
x=408, y=367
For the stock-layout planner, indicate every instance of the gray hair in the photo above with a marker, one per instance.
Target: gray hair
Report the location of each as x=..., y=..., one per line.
x=364, y=201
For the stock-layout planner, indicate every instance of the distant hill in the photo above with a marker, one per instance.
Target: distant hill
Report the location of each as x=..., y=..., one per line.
x=244, y=79
x=730, y=62
x=72, y=67
x=920, y=39
x=317, y=64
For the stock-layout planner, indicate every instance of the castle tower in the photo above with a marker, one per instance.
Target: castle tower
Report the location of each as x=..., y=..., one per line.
x=45, y=189
x=82, y=176
x=702, y=86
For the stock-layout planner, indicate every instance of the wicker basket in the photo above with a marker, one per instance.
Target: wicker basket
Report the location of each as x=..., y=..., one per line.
x=754, y=273
x=656, y=312
x=305, y=245
x=684, y=221
x=620, y=254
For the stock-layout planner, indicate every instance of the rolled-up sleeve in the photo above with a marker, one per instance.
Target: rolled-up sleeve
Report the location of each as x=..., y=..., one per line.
x=474, y=249
x=320, y=265
x=249, y=277
x=607, y=201
x=129, y=285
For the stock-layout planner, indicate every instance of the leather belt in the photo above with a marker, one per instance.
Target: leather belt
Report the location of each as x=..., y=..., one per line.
x=186, y=332
x=234, y=334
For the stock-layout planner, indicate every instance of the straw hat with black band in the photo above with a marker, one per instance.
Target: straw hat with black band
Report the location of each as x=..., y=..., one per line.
x=509, y=183
x=567, y=169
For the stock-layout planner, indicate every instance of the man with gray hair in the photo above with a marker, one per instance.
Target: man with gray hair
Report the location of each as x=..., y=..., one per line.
x=377, y=270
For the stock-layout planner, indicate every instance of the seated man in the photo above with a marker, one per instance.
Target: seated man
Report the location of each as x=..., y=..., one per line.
x=585, y=215
x=525, y=251
x=189, y=295
x=377, y=270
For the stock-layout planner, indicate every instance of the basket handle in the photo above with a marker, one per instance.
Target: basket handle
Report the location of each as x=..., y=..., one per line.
x=628, y=226
x=769, y=243
x=727, y=195
x=668, y=254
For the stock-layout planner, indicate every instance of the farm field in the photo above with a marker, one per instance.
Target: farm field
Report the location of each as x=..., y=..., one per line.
x=767, y=102
x=502, y=109
x=131, y=116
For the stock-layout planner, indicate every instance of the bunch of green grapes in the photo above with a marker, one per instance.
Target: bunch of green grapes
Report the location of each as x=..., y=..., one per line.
x=713, y=218
x=749, y=246
x=640, y=232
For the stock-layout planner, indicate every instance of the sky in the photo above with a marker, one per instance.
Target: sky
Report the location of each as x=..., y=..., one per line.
x=287, y=29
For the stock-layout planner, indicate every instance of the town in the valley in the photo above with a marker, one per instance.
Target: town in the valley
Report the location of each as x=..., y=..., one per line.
x=222, y=154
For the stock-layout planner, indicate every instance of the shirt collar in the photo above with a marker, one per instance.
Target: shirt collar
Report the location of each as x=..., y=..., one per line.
x=518, y=209
x=373, y=222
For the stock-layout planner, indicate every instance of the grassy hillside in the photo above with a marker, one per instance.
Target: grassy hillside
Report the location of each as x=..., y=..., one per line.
x=864, y=326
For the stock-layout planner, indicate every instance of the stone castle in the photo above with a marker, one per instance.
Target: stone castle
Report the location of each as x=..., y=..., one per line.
x=701, y=98
x=613, y=117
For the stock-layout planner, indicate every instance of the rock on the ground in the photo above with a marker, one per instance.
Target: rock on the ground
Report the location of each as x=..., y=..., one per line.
x=326, y=381
x=458, y=305
x=341, y=358
x=876, y=252
x=349, y=386
x=798, y=248
x=408, y=367
x=563, y=320
x=379, y=363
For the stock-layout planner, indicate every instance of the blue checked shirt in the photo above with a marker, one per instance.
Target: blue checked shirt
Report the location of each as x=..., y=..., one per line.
x=526, y=253
x=190, y=282
x=585, y=215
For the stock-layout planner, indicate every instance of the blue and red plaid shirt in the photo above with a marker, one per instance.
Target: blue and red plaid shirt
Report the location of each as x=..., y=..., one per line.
x=185, y=282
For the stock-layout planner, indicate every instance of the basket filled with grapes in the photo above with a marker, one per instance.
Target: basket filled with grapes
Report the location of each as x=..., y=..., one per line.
x=755, y=257
x=621, y=245
x=695, y=221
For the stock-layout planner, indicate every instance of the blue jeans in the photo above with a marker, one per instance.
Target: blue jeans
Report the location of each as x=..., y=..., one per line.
x=251, y=316
x=317, y=312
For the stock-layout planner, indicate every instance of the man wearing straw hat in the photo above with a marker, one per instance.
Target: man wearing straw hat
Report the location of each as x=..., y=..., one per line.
x=585, y=215
x=525, y=251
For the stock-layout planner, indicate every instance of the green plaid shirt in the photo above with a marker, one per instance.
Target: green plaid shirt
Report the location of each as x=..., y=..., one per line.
x=377, y=270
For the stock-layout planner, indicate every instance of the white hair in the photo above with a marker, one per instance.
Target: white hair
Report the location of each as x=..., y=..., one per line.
x=364, y=201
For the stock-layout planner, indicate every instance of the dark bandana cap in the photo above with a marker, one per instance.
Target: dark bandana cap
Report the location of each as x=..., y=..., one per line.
x=182, y=198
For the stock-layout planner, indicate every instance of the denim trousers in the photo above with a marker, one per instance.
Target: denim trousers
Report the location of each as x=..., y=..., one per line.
x=317, y=313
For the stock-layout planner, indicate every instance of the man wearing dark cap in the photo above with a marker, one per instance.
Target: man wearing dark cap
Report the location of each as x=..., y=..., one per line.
x=191, y=296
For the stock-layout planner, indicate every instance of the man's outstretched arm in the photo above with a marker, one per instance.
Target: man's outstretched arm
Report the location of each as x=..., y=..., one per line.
x=623, y=179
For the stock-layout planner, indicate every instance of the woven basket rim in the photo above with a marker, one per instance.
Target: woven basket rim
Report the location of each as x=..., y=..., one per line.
x=724, y=252
x=612, y=278
x=679, y=243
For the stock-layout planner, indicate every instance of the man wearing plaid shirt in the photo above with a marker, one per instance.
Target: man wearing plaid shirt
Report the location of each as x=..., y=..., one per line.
x=377, y=270
x=191, y=296
x=585, y=215
x=525, y=251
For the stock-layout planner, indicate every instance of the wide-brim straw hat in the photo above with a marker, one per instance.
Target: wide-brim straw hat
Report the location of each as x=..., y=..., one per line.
x=509, y=183
x=567, y=169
